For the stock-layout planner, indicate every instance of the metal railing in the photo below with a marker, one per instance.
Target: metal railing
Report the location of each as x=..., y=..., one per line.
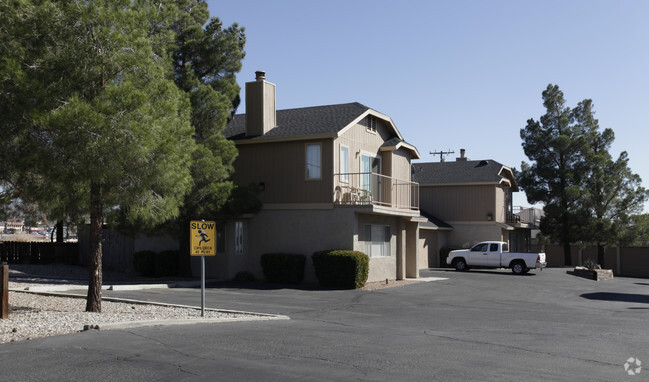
x=527, y=215
x=361, y=188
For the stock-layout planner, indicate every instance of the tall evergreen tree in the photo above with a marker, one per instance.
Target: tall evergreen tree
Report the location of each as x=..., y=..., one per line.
x=206, y=57
x=92, y=110
x=554, y=145
x=613, y=193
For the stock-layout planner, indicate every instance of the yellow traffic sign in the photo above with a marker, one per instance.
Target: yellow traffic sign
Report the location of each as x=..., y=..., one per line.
x=202, y=238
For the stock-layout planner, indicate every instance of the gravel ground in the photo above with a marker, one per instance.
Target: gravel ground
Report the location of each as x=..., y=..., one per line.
x=34, y=315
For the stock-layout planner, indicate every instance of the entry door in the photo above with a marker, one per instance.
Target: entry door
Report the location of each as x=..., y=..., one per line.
x=372, y=183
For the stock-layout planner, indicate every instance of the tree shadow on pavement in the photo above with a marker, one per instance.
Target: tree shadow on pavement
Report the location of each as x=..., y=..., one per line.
x=621, y=297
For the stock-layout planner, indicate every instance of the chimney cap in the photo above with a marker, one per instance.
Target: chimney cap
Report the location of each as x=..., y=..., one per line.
x=260, y=75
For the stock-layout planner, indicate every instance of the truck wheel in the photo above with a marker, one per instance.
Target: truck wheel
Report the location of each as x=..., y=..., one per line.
x=460, y=265
x=518, y=268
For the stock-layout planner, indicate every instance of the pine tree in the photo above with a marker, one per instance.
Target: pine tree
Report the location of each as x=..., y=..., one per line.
x=92, y=111
x=613, y=193
x=554, y=145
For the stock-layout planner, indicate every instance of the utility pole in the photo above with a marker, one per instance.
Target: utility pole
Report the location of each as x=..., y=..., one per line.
x=442, y=154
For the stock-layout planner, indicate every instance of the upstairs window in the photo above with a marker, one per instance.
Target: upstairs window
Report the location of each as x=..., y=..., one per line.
x=313, y=161
x=344, y=164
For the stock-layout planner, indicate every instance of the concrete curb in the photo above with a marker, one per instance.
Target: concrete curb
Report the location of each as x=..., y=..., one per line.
x=115, y=287
x=252, y=316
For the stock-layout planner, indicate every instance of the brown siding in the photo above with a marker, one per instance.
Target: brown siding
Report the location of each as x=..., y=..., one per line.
x=360, y=140
x=281, y=167
x=458, y=203
x=401, y=161
x=500, y=209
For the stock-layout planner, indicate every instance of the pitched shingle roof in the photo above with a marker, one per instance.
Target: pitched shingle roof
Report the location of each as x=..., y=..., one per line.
x=301, y=122
x=476, y=171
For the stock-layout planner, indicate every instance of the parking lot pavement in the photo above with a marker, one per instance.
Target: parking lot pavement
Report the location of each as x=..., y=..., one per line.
x=476, y=325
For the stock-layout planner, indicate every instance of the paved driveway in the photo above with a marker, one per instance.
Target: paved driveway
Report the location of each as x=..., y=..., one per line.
x=478, y=325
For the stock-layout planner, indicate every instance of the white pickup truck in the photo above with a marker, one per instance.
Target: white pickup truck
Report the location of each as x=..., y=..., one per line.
x=495, y=254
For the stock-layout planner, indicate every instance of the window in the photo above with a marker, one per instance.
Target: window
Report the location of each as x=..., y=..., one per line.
x=238, y=237
x=377, y=240
x=493, y=247
x=482, y=247
x=371, y=123
x=313, y=161
x=344, y=164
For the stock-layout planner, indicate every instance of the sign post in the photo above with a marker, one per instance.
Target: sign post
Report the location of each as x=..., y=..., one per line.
x=202, y=241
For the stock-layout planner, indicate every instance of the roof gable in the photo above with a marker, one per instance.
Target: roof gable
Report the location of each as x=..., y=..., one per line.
x=463, y=172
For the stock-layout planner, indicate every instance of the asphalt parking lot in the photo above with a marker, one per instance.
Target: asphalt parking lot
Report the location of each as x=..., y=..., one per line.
x=476, y=325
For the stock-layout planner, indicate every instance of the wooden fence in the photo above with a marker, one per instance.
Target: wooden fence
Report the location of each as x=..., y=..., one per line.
x=624, y=261
x=14, y=252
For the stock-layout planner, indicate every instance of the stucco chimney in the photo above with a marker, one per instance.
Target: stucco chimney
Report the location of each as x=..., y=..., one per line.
x=260, y=105
x=462, y=157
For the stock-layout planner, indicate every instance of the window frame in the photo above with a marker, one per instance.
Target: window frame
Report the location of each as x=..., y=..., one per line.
x=344, y=172
x=371, y=243
x=307, y=164
x=372, y=124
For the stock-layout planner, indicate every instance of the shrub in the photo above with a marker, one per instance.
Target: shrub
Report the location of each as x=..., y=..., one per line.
x=284, y=268
x=341, y=268
x=166, y=263
x=243, y=277
x=144, y=263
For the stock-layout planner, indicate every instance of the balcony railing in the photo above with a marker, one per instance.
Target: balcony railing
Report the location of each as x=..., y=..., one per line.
x=375, y=189
x=526, y=215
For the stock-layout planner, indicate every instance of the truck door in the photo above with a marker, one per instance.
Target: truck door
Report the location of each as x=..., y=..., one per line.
x=493, y=255
x=479, y=255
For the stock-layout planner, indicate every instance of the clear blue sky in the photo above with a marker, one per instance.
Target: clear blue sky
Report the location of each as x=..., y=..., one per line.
x=456, y=74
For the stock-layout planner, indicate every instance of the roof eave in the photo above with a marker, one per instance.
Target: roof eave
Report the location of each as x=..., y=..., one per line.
x=405, y=145
x=284, y=139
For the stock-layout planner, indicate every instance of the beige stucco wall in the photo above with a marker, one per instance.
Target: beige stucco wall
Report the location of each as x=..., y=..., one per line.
x=381, y=268
x=430, y=242
x=304, y=232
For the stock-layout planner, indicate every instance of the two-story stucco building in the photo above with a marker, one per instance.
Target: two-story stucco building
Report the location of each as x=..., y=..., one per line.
x=475, y=198
x=332, y=177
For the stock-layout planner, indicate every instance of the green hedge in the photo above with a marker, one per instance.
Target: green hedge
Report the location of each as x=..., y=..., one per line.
x=341, y=269
x=283, y=268
x=144, y=263
x=151, y=264
x=166, y=263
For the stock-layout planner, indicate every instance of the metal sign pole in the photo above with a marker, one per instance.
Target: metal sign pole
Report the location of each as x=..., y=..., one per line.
x=202, y=286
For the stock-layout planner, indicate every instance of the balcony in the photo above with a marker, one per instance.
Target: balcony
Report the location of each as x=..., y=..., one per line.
x=364, y=188
x=524, y=215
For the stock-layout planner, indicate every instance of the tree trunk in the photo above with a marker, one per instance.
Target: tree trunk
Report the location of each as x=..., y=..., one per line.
x=59, y=231
x=93, y=302
x=600, y=255
x=567, y=254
